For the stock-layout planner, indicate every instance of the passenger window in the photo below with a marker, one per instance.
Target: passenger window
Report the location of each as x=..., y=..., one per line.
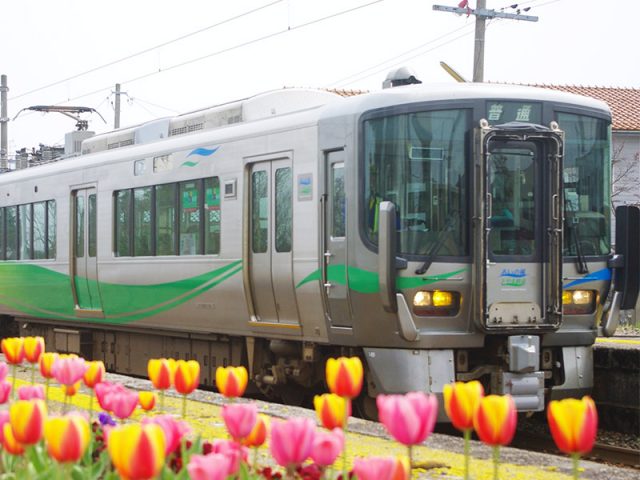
x=79, y=227
x=123, y=215
x=93, y=226
x=12, y=232
x=39, y=230
x=24, y=217
x=165, y=219
x=51, y=229
x=142, y=221
x=190, y=195
x=259, y=212
x=284, y=207
x=212, y=215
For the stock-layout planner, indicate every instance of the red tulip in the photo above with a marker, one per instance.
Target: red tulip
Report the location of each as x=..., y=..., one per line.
x=9, y=442
x=33, y=348
x=67, y=437
x=13, y=349
x=327, y=446
x=187, y=376
x=231, y=381
x=332, y=410
x=240, y=418
x=161, y=372
x=147, y=400
x=137, y=451
x=94, y=374
x=47, y=359
x=461, y=401
x=409, y=418
x=495, y=419
x=344, y=376
x=573, y=424
x=27, y=420
x=259, y=433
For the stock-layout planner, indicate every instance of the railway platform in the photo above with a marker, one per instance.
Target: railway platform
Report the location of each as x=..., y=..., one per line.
x=441, y=456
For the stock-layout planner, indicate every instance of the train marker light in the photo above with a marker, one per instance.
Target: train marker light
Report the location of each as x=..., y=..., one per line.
x=436, y=302
x=578, y=301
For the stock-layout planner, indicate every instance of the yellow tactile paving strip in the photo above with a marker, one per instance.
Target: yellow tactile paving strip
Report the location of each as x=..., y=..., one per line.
x=618, y=340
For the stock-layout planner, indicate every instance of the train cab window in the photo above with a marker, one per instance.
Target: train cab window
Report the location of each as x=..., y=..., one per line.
x=24, y=218
x=122, y=219
x=142, y=221
x=259, y=211
x=212, y=217
x=166, y=219
x=79, y=247
x=190, y=218
x=39, y=230
x=284, y=209
x=51, y=229
x=11, y=240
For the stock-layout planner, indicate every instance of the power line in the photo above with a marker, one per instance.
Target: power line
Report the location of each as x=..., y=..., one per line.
x=147, y=50
x=229, y=49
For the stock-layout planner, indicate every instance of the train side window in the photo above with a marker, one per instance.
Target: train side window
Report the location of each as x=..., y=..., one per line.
x=166, y=219
x=24, y=218
x=93, y=226
x=259, y=211
x=39, y=230
x=51, y=229
x=190, y=201
x=142, y=221
x=79, y=227
x=122, y=220
x=11, y=232
x=284, y=209
x=212, y=215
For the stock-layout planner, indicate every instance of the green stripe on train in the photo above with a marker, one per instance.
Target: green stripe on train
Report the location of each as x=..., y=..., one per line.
x=41, y=292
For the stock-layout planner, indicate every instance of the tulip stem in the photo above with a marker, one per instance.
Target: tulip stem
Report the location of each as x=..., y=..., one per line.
x=467, y=438
x=410, y=455
x=184, y=406
x=575, y=457
x=91, y=407
x=46, y=383
x=161, y=401
x=33, y=374
x=255, y=459
x=13, y=383
x=496, y=461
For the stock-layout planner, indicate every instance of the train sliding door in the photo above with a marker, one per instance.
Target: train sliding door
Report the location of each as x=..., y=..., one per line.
x=271, y=241
x=84, y=247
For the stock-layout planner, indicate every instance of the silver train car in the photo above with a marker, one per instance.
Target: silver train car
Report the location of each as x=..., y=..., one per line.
x=440, y=233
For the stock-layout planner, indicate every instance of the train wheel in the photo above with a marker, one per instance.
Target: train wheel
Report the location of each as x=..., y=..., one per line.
x=365, y=407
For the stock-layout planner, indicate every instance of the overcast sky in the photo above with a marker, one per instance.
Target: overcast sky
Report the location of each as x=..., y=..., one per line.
x=175, y=56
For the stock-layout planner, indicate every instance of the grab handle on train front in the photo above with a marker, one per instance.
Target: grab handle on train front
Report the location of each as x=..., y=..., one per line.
x=387, y=256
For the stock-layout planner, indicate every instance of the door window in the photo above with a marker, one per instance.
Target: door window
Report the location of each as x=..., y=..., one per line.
x=259, y=212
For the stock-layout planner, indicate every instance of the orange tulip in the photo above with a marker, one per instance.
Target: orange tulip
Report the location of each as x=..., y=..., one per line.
x=461, y=401
x=46, y=363
x=259, y=433
x=13, y=349
x=67, y=437
x=33, y=348
x=573, y=424
x=187, y=376
x=344, y=376
x=71, y=390
x=147, y=400
x=495, y=419
x=27, y=420
x=94, y=373
x=9, y=442
x=161, y=372
x=137, y=451
x=332, y=410
x=232, y=381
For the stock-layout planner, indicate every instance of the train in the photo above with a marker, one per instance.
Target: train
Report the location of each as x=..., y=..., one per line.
x=440, y=233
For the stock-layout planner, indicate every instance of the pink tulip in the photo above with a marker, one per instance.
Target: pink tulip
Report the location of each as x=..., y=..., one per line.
x=292, y=441
x=5, y=391
x=123, y=403
x=240, y=418
x=68, y=370
x=327, y=446
x=233, y=451
x=4, y=418
x=173, y=430
x=375, y=468
x=30, y=392
x=104, y=391
x=214, y=466
x=409, y=418
x=4, y=371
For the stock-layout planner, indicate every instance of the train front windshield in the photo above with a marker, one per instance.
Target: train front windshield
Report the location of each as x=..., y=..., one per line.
x=418, y=162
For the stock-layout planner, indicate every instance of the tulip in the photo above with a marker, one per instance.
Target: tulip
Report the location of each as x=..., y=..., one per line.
x=187, y=380
x=71, y=390
x=332, y=410
x=4, y=371
x=240, y=418
x=4, y=418
x=94, y=374
x=231, y=381
x=123, y=403
x=292, y=442
x=573, y=424
x=27, y=420
x=33, y=348
x=162, y=374
x=258, y=435
x=173, y=429
x=5, y=391
x=13, y=349
x=327, y=446
x=137, y=451
x=147, y=400
x=69, y=370
x=344, y=376
x=67, y=437
x=9, y=442
x=232, y=450
x=31, y=392
x=381, y=468
x=495, y=423
x=460, y=402
x=409, y=418
x=47, y=359
x=213, y=466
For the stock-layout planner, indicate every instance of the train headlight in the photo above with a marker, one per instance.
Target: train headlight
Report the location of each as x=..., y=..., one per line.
x=436, y=302
x=578, y=301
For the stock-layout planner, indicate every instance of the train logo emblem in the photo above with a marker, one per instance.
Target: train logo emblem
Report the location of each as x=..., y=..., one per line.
x=513, y=277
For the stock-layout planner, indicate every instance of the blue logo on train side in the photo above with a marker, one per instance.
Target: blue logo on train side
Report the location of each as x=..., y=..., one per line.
x=202, y=152
x=513, y=277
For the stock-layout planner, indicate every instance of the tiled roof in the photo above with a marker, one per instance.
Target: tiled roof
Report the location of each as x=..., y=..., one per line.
x=623, y=102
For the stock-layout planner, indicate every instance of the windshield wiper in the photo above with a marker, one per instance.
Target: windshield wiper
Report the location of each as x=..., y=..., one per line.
x=448, y=227
x=581, y=263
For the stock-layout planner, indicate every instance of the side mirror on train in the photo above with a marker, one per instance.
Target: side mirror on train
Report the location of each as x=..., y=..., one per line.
x=626, y=267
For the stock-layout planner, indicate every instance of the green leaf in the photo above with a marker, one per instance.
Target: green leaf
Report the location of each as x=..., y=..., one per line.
x=38, y=458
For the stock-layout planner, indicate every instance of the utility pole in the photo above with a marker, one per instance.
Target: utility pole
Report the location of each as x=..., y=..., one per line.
x=116, y=120
x=4, y=122
x=481, y=13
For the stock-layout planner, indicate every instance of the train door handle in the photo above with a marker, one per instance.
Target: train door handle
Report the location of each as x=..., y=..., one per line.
x=327, y=257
